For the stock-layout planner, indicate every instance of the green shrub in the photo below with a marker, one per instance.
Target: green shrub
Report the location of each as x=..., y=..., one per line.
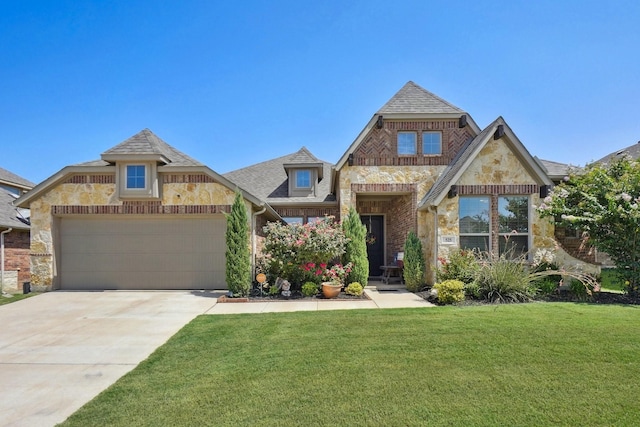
x=309, y=289
x=504, y=280
x=580, y=290
x=354, y=288
x=547, y=286
x=472, y=290
x=356, y=247
x=459, y=265
x=414, y=265
x=274, y=290
x=238, y=256
x=450, y=291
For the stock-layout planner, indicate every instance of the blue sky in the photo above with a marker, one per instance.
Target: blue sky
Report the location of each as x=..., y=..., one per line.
x=236, y=83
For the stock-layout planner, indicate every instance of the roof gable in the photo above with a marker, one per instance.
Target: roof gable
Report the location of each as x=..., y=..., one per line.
x=411, y=102
x=415, y=99
x=146, y=145
x=269, y=179
x=470, y=152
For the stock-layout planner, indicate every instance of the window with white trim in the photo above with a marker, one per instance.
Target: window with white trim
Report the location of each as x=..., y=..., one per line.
x=431, y=143
x=293, y=219
x=407, y=143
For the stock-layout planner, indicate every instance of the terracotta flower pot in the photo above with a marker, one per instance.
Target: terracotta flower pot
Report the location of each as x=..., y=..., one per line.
x=330, y=289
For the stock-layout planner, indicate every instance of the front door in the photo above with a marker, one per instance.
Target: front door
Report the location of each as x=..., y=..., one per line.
x=375, y=242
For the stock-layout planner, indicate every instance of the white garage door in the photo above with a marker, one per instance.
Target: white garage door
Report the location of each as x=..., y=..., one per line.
x=109, y=252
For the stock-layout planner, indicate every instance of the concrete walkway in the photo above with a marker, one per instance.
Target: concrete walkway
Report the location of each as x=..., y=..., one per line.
x=59, y=350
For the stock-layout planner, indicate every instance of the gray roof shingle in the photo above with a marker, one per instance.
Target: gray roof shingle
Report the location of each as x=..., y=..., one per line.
x=146, y=142
x=268, y=180
x=12, y=178
x=415, y=99
x=632, y=150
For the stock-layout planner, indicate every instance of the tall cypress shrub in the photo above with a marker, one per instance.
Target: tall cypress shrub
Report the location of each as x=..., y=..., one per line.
x=356, y=248
x=414, y=265
x=238, y=263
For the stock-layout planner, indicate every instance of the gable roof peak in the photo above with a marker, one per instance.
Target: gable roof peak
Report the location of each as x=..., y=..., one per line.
x=147, y=144
x=412, y=98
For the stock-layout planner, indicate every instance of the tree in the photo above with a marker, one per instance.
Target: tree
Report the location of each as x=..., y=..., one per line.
x=604, y=202
x=414, y=265
x=356, y=247
x=238, y=267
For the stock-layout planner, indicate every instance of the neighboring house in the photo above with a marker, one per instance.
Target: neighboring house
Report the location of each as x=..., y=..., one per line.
x=144, y=216
x=14, y=229
x=633, y=151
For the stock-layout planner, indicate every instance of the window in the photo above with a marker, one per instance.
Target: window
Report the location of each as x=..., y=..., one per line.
x=136, y=177
x=431, y=143
x=292, y=219
x=406, y=143
x=474, y=222
x=513, y=221
x=475, y=215
x=303, y=179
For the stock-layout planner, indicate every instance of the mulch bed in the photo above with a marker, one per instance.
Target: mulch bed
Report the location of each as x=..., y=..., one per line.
x=296, y=296
x=597, y=298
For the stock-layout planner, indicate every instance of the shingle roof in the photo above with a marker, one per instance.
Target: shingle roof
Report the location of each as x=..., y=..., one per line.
x=268, y=180
x=146, y=142
x=414, y=99
x=555, y=170
x=12, y=178
x=446, y=178
x=9, y=214
x=632, y=150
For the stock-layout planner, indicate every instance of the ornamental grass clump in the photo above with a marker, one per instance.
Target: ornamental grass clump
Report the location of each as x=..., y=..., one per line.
x=501, y=279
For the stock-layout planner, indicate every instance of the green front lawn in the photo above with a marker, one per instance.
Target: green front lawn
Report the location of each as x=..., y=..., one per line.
x=16, y=297
x=526, y=364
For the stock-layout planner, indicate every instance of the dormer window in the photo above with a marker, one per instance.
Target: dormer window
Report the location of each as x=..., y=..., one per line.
x=138, y=180
x=136, y=177
x=303, y=179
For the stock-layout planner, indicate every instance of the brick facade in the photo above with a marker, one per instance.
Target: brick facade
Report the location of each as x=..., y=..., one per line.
x=380, y=148
x=16, y=254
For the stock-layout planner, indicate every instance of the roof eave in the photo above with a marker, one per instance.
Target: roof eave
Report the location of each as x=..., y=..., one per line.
x=24, y=200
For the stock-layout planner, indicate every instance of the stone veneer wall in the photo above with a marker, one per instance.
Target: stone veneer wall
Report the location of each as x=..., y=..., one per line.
x=95, y=194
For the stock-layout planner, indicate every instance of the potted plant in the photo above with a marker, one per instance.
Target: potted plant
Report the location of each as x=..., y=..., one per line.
x=333, y=279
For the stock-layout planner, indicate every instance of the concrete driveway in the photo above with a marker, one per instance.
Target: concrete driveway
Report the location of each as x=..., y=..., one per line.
x=58, y=350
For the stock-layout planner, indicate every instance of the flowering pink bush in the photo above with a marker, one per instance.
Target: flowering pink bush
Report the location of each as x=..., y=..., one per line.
x=292, y=251
x=323, y=273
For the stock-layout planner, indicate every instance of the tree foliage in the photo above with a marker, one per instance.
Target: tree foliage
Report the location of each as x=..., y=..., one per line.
x=356, y=247
x=238, y=255
x=414, y=264
x=604, y=202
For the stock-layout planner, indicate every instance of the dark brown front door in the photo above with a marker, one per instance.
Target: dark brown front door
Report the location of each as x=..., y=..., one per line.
x=375, y=242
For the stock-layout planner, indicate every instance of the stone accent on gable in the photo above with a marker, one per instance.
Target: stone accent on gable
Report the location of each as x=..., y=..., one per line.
x=380, y=147
x=496, y=164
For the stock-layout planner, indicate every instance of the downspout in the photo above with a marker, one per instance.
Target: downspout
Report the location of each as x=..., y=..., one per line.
x=254, y=240
x=2, y=233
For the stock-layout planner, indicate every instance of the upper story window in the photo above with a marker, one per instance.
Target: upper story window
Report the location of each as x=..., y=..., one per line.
x=303, y=179
x=407, y=143
x=136, y=177
x=137, y=180
x=431, y=143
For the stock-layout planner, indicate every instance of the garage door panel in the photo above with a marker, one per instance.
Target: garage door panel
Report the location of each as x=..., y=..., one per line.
x=142, y=253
